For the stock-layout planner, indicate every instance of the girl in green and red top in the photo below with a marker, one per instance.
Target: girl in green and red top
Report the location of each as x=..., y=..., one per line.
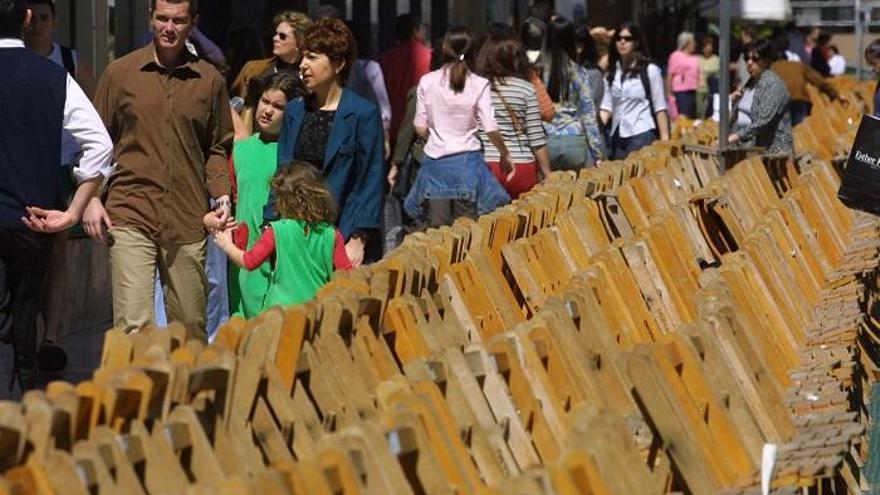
x=254, y=161
x=303, y=247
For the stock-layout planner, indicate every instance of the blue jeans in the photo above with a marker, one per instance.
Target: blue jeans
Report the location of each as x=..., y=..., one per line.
x=218, y=292
x=462, y=176
x=621, y=147
x=569, y=152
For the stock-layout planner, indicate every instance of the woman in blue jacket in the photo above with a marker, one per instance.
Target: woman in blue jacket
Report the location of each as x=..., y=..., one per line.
x=340, y=133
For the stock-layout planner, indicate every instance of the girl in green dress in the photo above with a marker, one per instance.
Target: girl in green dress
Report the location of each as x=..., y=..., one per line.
x=302, y=247
x=254, y=160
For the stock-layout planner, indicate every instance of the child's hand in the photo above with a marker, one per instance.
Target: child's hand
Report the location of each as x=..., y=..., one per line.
x=223, y=238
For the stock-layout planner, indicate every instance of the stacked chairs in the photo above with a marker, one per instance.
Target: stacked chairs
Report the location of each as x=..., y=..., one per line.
x=644, y=327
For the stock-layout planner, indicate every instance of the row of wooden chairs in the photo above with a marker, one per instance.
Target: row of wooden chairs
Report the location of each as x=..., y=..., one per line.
x=644, y=327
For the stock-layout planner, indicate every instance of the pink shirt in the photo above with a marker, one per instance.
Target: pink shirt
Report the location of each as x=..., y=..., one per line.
x=684, y=71
x=453, y=118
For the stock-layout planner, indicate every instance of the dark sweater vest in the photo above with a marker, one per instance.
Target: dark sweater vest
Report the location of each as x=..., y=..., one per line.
x=32, y=95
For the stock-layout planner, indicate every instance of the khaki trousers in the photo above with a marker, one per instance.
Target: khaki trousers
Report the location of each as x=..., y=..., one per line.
x=134, y=258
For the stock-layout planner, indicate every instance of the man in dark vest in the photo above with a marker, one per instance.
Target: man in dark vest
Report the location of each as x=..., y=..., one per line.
x=168, y=114
x=38, y=100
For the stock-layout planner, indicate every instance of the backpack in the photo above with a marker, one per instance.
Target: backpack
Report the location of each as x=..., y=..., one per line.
x=67, y=60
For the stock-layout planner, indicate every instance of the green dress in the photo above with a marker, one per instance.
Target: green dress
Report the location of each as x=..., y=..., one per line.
x=255, y=165
x=303, y=261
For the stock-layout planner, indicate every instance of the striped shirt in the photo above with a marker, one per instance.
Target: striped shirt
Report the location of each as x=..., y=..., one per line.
x=523, y=103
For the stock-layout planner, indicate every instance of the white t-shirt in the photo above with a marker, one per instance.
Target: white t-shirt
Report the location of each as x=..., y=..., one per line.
x=837, y=64
x=628, y=104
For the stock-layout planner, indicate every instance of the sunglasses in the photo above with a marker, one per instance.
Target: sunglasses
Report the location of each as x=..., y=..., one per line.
x=625, y=39
x=283, y=36
x=753, y=58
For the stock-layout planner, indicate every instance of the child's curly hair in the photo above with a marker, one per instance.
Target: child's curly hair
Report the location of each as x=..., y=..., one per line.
x=301, y=194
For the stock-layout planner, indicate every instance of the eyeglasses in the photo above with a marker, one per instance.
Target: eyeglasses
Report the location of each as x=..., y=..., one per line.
x=283, y=36
x=753, y=58
x=625, y=39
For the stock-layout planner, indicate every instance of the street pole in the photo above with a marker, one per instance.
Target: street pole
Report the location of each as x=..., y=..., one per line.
x=860, y=38
x=724, y=81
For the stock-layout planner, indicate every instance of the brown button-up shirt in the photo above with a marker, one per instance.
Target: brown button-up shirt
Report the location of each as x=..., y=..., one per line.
x=796, y=75
x=172, y=131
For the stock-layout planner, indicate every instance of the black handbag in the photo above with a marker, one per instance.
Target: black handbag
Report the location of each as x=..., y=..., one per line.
x=393, y=228
x=406, y=176
x=860, y=187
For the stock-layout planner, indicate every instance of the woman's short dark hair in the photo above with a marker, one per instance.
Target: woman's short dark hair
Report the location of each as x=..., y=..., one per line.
x=332, y=38
x=458, y=48
x=501, y=56
x=872, y=52
x=561, y=48
x=764, y=48
x=12, y=13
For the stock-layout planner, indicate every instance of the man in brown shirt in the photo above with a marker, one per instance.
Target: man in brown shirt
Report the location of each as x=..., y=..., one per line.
x=168, y=115
x=796, y=75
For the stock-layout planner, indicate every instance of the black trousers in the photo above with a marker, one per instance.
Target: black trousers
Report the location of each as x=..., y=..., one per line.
x=24, y=257
x=442, y=212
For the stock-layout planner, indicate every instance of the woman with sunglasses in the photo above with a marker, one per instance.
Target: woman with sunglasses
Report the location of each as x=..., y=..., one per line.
x=289, y=27
x=770, y=125
x=635, y=100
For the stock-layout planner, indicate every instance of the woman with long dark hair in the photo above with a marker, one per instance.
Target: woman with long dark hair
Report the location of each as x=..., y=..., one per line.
x=574, y=137
x=501, y=60
x=635, y=100
x=451, y=103
x=588, y=56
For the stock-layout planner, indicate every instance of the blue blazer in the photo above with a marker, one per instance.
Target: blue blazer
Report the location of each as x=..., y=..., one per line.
x=354, y=160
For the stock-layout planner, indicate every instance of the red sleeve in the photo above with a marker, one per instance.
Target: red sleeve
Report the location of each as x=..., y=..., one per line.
x=262, y=250
x=340, y=257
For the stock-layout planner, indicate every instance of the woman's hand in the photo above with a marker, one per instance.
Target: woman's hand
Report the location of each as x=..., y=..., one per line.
x=354, y=248
x=736, y=95
x=507, y=167
x=392, y=174
x=95, y=218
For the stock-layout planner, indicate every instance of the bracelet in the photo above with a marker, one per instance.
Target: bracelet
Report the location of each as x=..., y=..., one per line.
x=223, y=202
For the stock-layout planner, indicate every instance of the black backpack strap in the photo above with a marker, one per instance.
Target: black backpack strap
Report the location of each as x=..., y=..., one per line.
x=646, y=83
x=67, y=60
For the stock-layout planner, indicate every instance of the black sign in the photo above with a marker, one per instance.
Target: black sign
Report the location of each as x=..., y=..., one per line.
x=860, y=188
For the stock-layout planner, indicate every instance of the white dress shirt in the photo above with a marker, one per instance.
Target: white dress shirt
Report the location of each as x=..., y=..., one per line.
x=628, y=104
x=82, y=121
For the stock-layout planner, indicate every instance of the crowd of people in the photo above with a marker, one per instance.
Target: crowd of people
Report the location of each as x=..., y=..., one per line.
x=225, y=194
